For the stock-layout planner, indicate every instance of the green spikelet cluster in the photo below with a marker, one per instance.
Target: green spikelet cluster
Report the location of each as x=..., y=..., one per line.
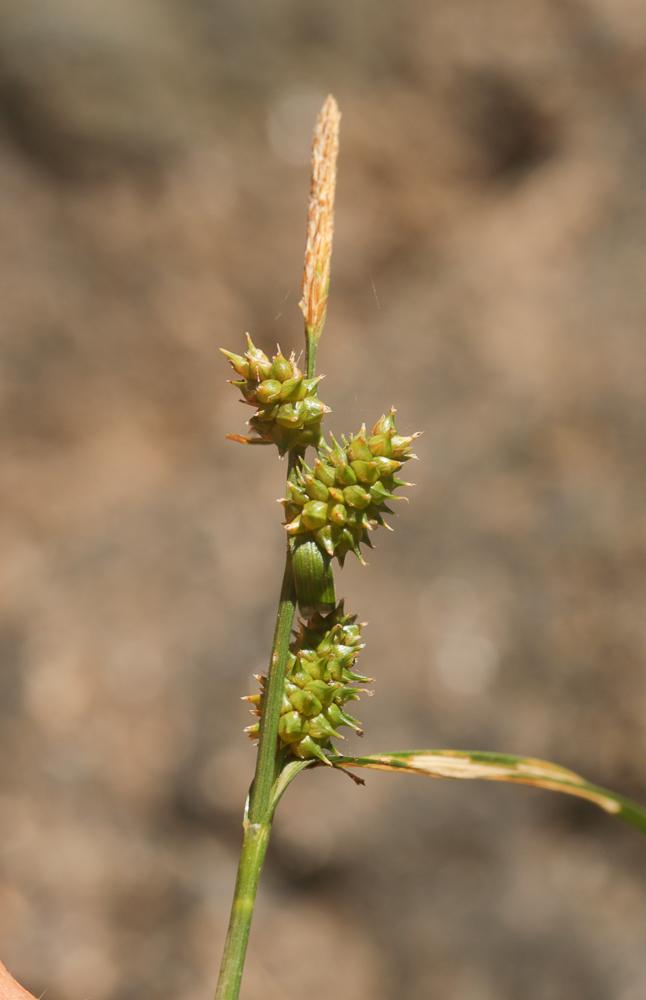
x=319, y=681
x=345, y=494
x=288, y=411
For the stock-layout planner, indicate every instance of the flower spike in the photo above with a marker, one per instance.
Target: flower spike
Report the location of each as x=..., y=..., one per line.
x=345, y=495
x=288, y=410
x=320, y=679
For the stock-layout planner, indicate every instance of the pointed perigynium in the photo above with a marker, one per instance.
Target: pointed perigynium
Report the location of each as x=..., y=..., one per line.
x=288, y=411
x=345, y=495
x=319, y=681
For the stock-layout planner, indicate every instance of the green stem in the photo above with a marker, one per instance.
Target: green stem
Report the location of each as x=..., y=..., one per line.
x=311, y=342
x=254, y=847
x=257, y=823
x=267, y=759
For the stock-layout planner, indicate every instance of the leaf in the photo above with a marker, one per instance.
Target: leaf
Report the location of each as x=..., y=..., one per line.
x=285, y=778
x=473, y=764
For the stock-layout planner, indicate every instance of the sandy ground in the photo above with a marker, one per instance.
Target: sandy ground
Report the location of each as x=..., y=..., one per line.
x=488, y=279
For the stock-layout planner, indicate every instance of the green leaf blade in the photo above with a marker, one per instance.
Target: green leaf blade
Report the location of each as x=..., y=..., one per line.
x=488, y=766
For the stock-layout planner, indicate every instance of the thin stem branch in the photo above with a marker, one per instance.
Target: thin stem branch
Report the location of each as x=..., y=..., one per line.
x=310, y=352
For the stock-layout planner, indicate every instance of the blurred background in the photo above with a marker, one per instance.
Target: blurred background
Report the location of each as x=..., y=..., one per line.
x=488, y=279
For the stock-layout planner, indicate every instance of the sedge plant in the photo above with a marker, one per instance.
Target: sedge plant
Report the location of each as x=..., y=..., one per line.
x=336, y=494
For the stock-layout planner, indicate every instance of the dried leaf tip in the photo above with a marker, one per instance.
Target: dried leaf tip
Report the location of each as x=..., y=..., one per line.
x=320, y=218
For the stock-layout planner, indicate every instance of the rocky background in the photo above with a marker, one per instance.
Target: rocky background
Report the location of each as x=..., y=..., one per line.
x=488, y=279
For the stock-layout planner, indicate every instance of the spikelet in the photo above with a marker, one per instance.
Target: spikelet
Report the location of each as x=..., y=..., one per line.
x=344, y=496
x=319, y=681
x=288, y=411
x=320, y=218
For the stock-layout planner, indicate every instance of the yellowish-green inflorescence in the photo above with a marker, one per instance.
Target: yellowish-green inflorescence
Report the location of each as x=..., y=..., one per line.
x=331, y=508
x=319, y=681
x=288, y=411
x=344, y=495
